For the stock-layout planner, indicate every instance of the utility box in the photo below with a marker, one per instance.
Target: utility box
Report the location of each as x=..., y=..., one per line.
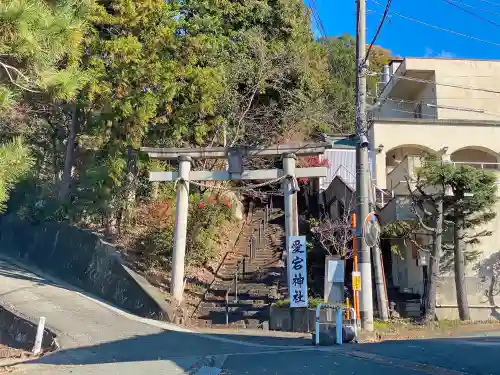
x=334, y=280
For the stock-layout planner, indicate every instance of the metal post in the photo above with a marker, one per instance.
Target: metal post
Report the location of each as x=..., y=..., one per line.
x=260, y=235
x=253, y=241
x=338, y=326
x=37, y=348
x=236, y=283
x=180, y=228
x=227, y=307
x=244, y=275
x=263, y=233
x=362, y=171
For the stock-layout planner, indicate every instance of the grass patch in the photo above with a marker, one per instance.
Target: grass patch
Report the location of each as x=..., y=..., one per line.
x=312, y=303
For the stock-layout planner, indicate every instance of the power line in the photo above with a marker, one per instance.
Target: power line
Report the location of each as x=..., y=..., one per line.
x=379, y=28
x=319, y=22
x=439, y=83
x=477, y=8
x=439, y=106
x=452, y=3
x=438, y=27
x=490, y=2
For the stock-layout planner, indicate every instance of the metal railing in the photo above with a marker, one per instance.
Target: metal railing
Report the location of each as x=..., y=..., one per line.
x=235, y=285
x=479, y=165
x=209, y=288
x=256, y=241
x=339, y=322
x=377, y=191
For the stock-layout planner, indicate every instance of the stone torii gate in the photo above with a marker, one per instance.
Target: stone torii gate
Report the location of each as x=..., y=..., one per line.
x=235, y=172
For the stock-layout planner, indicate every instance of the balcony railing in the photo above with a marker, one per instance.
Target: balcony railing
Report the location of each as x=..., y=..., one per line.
x=479, y=165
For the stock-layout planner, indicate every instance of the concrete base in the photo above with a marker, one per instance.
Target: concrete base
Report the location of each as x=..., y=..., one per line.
x=328, y=337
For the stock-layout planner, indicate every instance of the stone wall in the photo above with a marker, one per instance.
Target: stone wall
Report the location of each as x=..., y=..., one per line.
x=82, y=259
x=303, y=320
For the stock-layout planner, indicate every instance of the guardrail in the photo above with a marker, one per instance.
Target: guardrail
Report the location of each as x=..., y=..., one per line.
x=339, y=322
x=228, y=290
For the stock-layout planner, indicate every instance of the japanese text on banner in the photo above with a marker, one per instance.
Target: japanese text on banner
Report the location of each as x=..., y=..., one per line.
x=297, y=271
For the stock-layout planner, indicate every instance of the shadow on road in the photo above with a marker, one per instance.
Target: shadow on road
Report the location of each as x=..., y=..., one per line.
x=468, y=355
x=169, y=346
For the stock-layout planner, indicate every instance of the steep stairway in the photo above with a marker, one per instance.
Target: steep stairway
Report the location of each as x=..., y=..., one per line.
x=260, y=274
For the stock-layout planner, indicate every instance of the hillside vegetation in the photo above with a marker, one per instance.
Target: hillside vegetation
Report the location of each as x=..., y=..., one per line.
x=84, y=84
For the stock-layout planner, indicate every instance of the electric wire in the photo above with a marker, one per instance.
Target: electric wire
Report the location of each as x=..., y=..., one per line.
x=452, y=3
x=438, y=27
x=476, y=8
x=420, y=80
x=317, y=17
x=379, y=28
x=490, y=2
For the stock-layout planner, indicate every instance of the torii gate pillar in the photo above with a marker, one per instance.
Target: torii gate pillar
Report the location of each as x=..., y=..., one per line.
x=180, y=229
x=184, y=175
x=290, y=195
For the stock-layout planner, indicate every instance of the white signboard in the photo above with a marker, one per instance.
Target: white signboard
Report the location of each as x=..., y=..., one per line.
x=336, y=271
x=297, y=271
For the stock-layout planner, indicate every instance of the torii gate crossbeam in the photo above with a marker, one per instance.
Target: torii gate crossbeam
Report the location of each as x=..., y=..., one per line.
x=184, y=175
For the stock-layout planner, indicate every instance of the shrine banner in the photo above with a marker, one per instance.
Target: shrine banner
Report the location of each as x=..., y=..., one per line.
x=297, y=271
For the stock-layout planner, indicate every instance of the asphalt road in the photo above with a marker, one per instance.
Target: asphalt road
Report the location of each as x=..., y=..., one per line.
x=97, y=339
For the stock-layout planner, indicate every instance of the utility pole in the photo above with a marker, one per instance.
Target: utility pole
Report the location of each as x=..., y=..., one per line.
x=362, y=172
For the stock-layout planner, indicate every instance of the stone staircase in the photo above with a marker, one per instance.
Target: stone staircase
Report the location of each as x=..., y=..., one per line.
x=263, y=277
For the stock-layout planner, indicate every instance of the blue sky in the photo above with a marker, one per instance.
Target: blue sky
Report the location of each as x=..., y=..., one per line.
x=406, y=38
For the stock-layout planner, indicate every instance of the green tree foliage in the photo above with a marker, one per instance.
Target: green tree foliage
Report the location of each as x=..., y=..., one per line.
x=92, y=81
x=457, y=199
x=15, y=162
x=40, y=45
x=467, y=207
x=342, y=64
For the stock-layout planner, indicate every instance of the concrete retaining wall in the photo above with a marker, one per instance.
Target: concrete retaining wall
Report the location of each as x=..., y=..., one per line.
x=482, y=296
x=299, y=320
x=19, y=332
x=82, y=259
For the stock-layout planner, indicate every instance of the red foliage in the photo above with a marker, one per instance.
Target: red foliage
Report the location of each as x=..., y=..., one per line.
x=311, y=161
x=213, y=200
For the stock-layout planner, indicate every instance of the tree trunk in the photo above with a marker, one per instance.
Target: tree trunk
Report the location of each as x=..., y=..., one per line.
x=459, y=263
x=65, y=186
x=430, y=298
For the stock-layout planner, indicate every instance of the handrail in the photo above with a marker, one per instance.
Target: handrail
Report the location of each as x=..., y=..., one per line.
x=235, y=280
x=352, y=175
x=473, y=163
x=211, y=283
x=338, y=322
x=209, y=288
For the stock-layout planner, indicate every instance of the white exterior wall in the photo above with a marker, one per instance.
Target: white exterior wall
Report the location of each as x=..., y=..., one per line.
x=431, y=136
x=473, y=131
x=478, y=74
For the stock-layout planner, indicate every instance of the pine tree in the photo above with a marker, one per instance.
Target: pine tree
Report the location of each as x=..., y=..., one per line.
x=446, y=196
x=40, y=47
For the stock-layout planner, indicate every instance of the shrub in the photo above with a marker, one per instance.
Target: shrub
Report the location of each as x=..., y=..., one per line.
x=312, y=303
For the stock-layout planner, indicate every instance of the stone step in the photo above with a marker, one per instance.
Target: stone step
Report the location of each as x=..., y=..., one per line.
x=235, y=308
x=220, y=315
x=247, y=299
